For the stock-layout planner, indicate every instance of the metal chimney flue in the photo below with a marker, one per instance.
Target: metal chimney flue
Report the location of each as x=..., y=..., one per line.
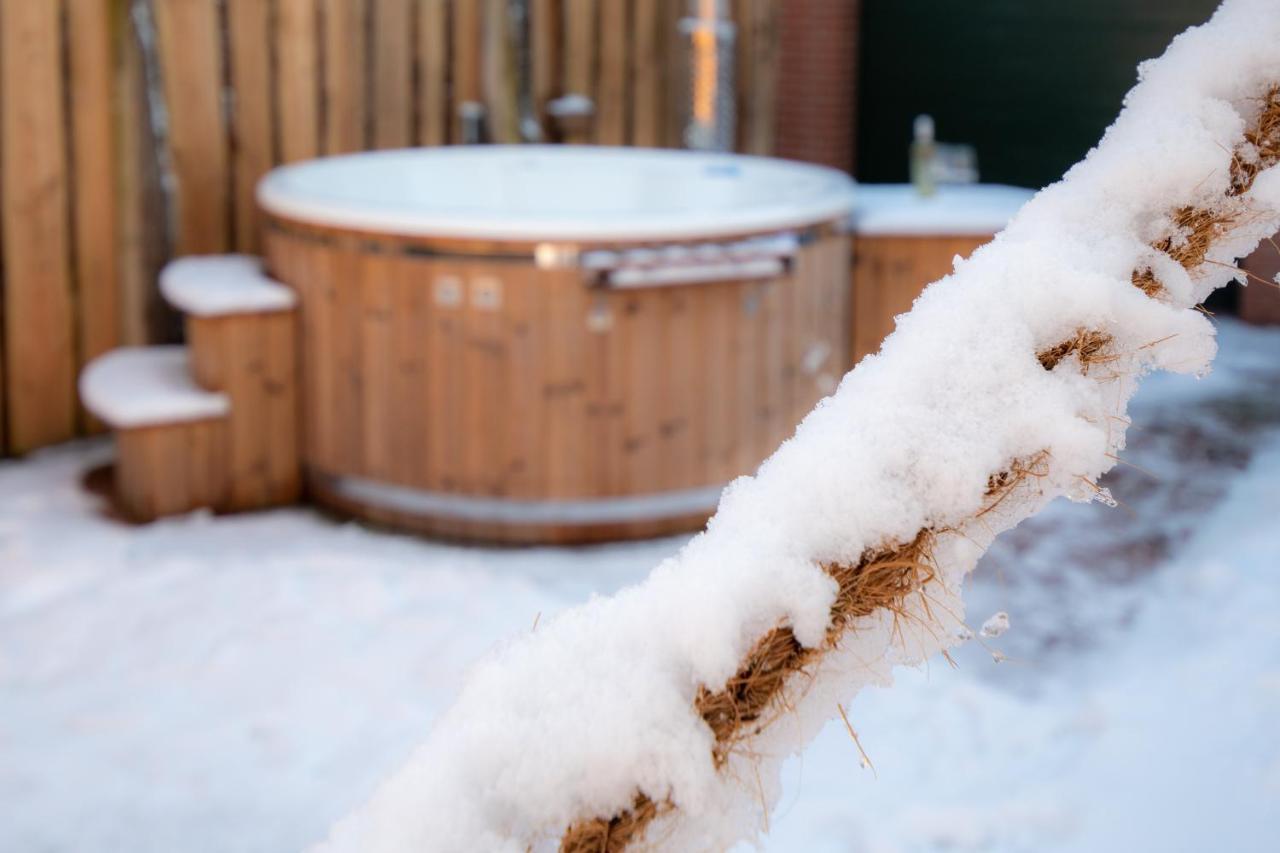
x=709, y=114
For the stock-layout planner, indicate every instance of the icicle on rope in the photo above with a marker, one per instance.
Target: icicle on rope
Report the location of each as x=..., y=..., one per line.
x=886, y=579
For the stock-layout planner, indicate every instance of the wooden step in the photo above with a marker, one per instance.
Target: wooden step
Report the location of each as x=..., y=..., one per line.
x=223, y=286
x=241, y=331
x=171, y=435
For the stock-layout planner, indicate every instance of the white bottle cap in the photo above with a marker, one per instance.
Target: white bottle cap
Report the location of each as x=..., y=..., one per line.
x=924, y=127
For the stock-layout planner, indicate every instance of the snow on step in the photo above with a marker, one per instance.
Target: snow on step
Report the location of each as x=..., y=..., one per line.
x=964, y=209
x=215, y=285
x=147, y=386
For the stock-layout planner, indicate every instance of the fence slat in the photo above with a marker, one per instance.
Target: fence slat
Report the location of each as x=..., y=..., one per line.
x=758, y=75
x=345, y=45
x=392, y=74
x=39, y=339
x=646, y=74
x=137, y=232
x=190, y=54
x=499, y=74
x=466, y=58
x=673, y=48
x=433, y=65
x=611, y=112
x=249, y=34
x=580, y=33
x=93, y=159
x=544, y=49
x=297, y=79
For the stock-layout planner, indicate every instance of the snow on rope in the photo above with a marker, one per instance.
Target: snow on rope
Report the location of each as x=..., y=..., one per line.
x=660, y=717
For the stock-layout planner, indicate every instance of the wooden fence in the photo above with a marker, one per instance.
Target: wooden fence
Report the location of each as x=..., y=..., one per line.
x=135, y=130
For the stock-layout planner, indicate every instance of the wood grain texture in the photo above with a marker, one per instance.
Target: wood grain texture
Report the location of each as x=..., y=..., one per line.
x=252, y=125
x=346, y=103
x=93, y=157
x=888, y=274
x=190, y=57
x=757, y=70
x=501, y=85
x=647, y=96
x=39, y=336
x=392, y=52
x=434, y=365
x=137, y=235
x=612, y=117
x=252, y=359
x=171, y=469
x=433, y=69
x=297, y=80
x=466, y=38
x=544, y=49
x=581, y=40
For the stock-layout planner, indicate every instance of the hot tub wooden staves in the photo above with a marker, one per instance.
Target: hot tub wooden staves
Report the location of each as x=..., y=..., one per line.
x=461, y=388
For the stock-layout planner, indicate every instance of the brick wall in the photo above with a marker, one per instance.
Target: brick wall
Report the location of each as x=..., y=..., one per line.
x=817, y=76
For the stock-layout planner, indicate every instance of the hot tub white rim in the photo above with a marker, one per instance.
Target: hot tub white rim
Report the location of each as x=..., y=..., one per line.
x=834, y=204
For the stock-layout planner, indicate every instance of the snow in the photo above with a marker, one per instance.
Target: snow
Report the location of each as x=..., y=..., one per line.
x=995, y=626
x=144, y=386
x=561, y=192
x=959, y=210
x=207, y=684
x=572, y=720
x=217, y=285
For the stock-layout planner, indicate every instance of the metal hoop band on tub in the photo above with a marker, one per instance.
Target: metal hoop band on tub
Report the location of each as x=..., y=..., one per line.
x=581, y=511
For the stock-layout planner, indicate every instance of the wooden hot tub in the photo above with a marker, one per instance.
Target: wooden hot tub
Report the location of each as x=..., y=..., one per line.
x=555, y=344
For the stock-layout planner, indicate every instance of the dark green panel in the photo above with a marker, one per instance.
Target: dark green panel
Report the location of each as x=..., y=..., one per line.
x=1032, y=84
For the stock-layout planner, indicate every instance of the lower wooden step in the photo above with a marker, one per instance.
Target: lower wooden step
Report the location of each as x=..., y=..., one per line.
x=171, y=435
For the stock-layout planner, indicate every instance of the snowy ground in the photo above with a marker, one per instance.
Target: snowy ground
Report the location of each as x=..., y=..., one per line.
x=238, y=683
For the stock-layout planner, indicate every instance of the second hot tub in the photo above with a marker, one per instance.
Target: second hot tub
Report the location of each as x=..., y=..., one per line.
x=555, y=344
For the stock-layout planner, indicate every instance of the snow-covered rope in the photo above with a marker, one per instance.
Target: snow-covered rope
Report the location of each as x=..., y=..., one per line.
x=660, y=717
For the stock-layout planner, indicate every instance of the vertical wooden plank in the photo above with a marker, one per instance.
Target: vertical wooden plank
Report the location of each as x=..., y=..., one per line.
x=610, y=394
x=137, y=232
x=344, y=92
x=544, y=49
x=466, y=58
x=39, y=337
x=94, y=161
x=433, y=72
x=444, y=357
x=569, y=462
x=672, y=47
x=580, y=28
x=523, y=302
x=188, y=42
x=612, y=100
x=392, y=74
x=373, y=293
x=249, y=49
x=410, y=417
x=758, y=75
x=500, y=85
x=743, y=307
x=484, y=387
x=646, y=73
x=680, y=401
x=645, y=381
x=297, y=79
x=279, y=388
x=346, y=335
